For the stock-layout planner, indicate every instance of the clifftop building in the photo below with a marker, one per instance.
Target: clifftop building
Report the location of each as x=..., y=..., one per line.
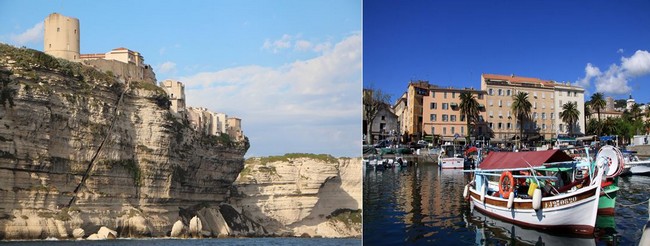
x=61, y=36
x=118, y=54
x=62, y=40
x=176, y=92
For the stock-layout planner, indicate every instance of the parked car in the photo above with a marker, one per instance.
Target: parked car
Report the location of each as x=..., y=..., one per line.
x=414, y=145
x=424, y=144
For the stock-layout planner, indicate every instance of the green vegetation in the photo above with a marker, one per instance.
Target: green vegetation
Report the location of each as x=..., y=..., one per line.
x=347, y=216
x=271, y=170
x=246, y=171
x=629, y=124
x=290, y=156
x=147, y=86
x=222, y=140
x=521, y=108
x=160, y=97
x=29, y=61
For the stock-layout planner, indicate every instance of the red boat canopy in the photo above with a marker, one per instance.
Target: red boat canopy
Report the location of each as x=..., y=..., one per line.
x=471, y=150
x=507, y=160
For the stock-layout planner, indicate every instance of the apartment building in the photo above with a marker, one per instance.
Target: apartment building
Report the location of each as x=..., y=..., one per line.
x=500, y=119
x=564, y=92
x=412, y=116
x=442, y=117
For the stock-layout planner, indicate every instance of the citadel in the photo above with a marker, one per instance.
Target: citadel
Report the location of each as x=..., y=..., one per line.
x=62, y=40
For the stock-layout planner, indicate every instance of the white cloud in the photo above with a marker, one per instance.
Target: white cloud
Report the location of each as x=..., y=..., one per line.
x=34, y=34
x=277, y=45
x=167, y=67
x=590, y=72
x=306, y=106
x=322, y=47
x=638, y=64
x=303, y=45
x=620, y=51
x=615, y=80
x=287, y=41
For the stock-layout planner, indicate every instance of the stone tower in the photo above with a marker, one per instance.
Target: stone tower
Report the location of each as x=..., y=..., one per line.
x=61, y=37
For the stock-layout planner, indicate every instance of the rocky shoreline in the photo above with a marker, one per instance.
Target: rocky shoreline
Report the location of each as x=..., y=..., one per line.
x=153, y=169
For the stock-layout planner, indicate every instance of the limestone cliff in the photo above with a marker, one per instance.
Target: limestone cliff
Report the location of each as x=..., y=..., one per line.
x=299, y=194
x=152, y=169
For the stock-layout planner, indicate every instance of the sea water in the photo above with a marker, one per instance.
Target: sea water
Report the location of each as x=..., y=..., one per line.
x=197, y=242
x=423, y=205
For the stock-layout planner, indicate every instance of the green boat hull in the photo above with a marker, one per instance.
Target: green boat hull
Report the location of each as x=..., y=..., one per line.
x=607, y=200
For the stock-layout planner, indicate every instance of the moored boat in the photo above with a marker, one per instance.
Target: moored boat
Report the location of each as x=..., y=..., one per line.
x=569, y=208
x=374, y=161
x=614, y=161
x=450, y=157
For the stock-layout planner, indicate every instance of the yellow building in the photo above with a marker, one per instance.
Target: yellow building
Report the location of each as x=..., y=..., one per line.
x=442, y=116
x=61, y=36
x=500, y=119
x=412, y=115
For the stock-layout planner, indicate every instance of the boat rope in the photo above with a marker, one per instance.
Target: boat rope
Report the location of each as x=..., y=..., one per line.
x=92, y=160
x=632, y=205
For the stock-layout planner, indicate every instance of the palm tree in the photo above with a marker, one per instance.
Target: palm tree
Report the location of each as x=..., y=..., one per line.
x=570, y=114
x=469, y=108
x=587, y=111
x=521, y=108
x=598, y=103
x=610, y=126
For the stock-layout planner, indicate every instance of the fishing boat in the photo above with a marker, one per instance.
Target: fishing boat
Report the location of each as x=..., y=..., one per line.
x=614, y=165
x=450, y=157
x=520, y=235
x=565, y=200
x=374, y=161
x=633, y=165
x=396, y=161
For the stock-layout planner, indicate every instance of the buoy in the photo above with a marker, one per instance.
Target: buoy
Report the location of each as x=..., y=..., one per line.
x=483, y=193
x=506, y=184
x=511, y=199
x=537, y=199
x=465, y=192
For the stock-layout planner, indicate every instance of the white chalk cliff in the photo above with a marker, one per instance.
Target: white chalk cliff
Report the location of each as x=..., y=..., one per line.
x=153, y=173
x=299, y=194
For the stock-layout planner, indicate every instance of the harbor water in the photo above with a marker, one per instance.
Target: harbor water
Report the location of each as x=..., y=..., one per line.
x=197, y=242
x=423, y=205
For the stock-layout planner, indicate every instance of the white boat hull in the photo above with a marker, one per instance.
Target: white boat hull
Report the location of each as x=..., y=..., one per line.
x=451, y=163
x=640, y=169
x=568, y=213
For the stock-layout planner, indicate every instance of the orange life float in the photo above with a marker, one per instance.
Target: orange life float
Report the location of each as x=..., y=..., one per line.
x=506, y=184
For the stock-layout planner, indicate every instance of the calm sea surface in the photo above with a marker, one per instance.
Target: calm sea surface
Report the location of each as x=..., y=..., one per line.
x=181, y=242
x=423, y=205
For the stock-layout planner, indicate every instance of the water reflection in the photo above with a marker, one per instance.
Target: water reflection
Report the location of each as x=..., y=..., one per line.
x=423, y=204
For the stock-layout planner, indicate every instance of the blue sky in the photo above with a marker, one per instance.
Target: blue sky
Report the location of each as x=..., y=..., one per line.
x=600, y=45
x=291, y=70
